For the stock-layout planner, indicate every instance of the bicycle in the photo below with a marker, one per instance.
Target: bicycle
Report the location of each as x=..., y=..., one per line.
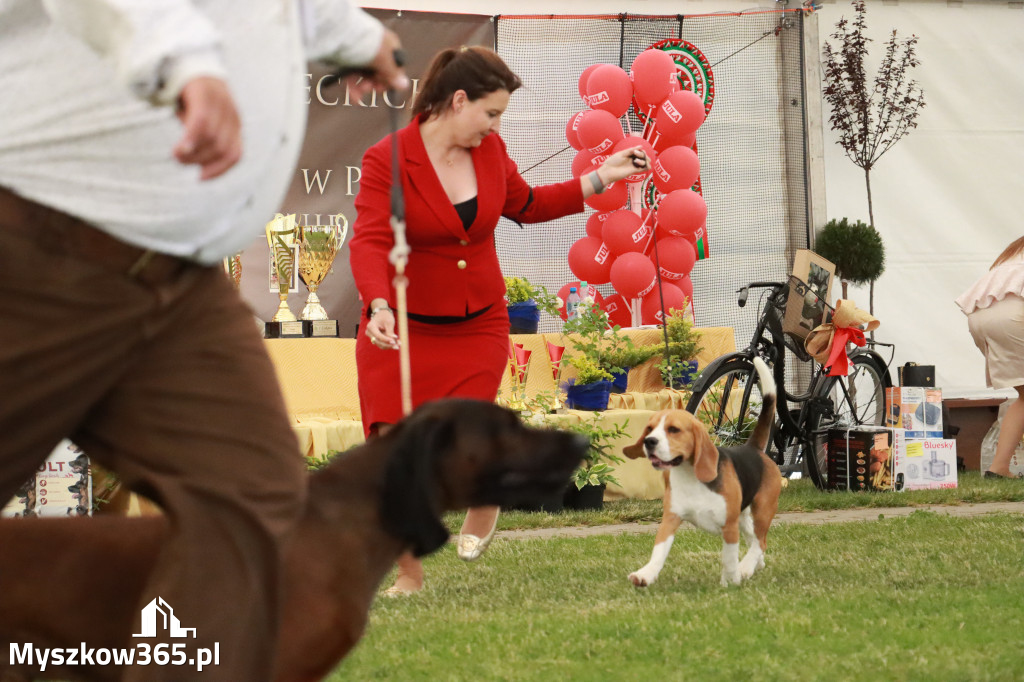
x=727, y=395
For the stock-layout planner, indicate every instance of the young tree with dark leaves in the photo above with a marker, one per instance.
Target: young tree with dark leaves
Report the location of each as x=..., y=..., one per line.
x=870, y=116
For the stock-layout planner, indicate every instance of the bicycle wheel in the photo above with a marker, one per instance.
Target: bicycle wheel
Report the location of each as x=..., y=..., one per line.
x=728, y=402
x=844, y=402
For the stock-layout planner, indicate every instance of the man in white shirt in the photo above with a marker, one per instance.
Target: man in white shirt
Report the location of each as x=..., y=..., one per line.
x=141, y=143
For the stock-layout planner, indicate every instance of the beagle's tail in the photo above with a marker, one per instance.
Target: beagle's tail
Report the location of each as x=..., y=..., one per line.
x=762, y=431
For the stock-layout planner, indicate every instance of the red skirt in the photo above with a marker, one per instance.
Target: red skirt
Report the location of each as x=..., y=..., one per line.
x=463, y=359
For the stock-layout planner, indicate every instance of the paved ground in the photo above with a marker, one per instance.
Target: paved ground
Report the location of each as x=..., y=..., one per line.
x=812, y=518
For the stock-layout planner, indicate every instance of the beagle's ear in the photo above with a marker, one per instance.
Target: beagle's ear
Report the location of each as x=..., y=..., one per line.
x=705, y=454
x=636, y=450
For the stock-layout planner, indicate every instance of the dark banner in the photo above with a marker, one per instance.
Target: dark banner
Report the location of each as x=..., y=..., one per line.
x=340, y=129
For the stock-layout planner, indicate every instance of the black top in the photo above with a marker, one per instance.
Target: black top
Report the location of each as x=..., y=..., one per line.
x=466, y=211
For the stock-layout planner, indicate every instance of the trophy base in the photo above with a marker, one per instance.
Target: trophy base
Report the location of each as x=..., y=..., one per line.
x=321, y=328
x=301, y=329
x=284, y=330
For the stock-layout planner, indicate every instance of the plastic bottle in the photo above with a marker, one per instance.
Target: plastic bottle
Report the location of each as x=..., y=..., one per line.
x=572, y=303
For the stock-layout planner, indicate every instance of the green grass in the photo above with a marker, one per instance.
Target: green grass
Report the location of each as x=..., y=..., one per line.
x=800, y=495
x=923, y=597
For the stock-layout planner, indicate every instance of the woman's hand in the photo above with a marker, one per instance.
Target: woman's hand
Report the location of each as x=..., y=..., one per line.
x=616, y=167
x=624, y=163
x=381, y=328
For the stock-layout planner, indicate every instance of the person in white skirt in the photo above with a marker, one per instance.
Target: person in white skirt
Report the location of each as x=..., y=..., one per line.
x=994, y=306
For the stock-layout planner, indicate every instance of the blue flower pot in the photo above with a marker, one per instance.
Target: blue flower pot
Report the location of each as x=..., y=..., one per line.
x=620, y=380
x=523, y=317
x=592, y=397
x=685, y=378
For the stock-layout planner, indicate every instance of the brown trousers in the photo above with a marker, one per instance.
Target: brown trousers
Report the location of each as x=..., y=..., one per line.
x=161, y=377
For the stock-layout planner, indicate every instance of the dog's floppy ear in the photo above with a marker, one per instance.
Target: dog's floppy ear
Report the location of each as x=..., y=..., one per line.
x=409, y=508
x=705, y=454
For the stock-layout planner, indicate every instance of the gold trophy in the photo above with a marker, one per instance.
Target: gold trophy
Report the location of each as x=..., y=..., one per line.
x=233, y=268
x=281, y=237
x=318, y=246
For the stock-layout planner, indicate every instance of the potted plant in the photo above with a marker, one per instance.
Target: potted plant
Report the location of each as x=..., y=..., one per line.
x=590, y=388
x=587, y=486
x=626, y=358
x=600, y=352
x=855, y=247
x=678, y=365
x=525, y=302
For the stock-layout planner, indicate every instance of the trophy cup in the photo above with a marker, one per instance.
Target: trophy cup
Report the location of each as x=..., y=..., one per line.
x=281, y=239
x=233, y=268
x=318, y=246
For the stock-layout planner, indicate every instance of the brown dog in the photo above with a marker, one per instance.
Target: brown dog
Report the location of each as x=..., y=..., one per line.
x=721, y=490
x=69, y=581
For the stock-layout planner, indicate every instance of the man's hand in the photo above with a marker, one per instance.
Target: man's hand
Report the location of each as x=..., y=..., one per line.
x=384, y=71
x=213, y=131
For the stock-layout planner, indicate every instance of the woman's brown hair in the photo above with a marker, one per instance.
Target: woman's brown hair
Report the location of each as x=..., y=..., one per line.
x=1015, y=247
x=476, y=70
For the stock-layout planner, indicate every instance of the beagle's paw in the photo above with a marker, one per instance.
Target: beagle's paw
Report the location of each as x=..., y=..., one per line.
x=643, y=577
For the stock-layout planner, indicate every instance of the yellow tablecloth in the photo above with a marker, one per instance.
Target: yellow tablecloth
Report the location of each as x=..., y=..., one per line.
x=318, y=380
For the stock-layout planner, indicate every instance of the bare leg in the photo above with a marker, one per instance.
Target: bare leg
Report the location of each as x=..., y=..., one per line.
x=1010, y=433
x=479, y=521
x=410, y=576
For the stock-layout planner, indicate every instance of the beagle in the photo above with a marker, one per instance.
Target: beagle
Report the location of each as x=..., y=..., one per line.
x=725, y=490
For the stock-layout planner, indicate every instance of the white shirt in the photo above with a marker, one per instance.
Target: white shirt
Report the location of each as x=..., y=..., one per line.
x=86, y=126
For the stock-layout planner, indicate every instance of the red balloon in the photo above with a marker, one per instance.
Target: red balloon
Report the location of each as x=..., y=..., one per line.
x=676, y=257
x=610, y=89
x=633, y=275
x=598, y=131
x=584, y=77
x=586, y=161
x=590, y=260
x=631, y=141
x=595, y=224
x=676, y=168
x=663, y=143
x=652, y=73
x=686, y=284
x=650, y=307
x=570, y=131
x=682, y=212
x=623, y=232
x=591, y=291
x=613, y=197
x=618, y=310
x=680, y=114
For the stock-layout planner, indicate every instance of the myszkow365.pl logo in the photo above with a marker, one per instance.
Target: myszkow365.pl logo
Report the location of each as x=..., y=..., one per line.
x=157, y=616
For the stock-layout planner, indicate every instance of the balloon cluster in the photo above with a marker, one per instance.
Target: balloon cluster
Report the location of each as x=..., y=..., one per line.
x=664, y=211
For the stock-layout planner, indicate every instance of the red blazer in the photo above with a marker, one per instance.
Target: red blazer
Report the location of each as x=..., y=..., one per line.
x=451, y=271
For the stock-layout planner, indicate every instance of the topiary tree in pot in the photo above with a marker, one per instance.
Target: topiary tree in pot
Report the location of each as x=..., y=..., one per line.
x=856, y=248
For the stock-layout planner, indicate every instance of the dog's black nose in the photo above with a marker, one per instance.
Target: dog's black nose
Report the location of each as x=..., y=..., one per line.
x=650, y=442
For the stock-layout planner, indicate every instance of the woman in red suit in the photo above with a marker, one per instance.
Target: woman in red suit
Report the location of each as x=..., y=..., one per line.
x=458, y=180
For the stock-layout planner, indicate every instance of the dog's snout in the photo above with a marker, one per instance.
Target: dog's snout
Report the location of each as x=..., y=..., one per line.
x=650, y=442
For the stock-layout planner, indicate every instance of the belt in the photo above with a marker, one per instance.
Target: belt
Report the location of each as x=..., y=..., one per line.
x=59, y=232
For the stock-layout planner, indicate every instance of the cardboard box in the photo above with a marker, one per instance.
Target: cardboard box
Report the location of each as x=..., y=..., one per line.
x=915, y=409
x=806, y=303
x=930, y=463
x=61, y=487
x=866, y=458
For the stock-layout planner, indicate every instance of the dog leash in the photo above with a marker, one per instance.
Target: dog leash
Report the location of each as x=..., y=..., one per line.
x=399, y=257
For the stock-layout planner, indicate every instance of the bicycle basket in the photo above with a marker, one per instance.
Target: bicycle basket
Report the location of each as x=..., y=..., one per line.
x=796, y=333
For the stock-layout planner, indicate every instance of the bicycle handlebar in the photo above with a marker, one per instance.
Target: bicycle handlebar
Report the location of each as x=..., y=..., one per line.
x=744, y=290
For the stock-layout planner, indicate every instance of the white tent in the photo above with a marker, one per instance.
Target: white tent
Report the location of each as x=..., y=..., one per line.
x=946, y=197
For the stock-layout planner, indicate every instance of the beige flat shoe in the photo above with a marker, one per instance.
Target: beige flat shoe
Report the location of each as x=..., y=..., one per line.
x=470, y=547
